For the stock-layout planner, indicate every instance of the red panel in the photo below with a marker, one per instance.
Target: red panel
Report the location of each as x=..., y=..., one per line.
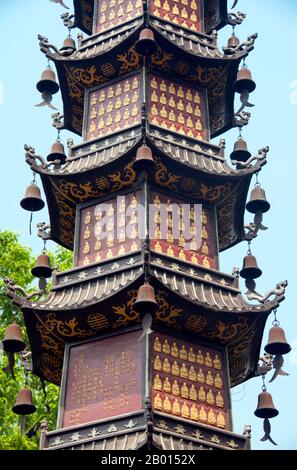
x=109, y=229
x=104, y=379
x=112, y=13
x=168, y=244
x=189, y=381
x=178, y=108
x=186, y=13
x=114, y=108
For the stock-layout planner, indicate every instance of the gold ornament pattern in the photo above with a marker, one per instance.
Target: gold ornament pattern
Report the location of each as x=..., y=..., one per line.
x=189, y=381
x=185, y=13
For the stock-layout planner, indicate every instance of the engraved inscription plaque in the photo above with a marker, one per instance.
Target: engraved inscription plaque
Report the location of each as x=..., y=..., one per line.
x=104, y=379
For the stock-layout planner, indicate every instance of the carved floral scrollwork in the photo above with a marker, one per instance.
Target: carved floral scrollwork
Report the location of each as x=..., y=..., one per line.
x=205, y=75
x=167, y=313
x=125, y=311
x=88, y=77
x=161, y=59
x=130, y=61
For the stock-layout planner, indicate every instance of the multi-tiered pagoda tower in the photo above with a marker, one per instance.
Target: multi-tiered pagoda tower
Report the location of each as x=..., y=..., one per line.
x=147, y=90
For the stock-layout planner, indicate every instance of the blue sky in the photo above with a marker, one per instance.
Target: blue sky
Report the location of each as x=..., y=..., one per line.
x=273, y=123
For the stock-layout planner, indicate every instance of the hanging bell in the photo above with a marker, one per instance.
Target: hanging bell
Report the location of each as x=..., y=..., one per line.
x=42, y=267
x=240, y=152
x=57, y=153
x=244, y=81
x=258, y=201
x=13, y=339
x=266, y=408
x=24, y=403
x=277, y=342
x=144, y=159
x=233, y=42
x=48, y=82
x=146, y=300
x=250, y=269
x=68, y=47
x=32, y=201
x=146, y=44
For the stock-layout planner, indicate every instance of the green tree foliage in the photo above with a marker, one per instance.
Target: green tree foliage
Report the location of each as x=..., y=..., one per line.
x=16, y=262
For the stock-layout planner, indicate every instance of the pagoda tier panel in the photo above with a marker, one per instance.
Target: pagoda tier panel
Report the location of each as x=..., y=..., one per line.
x=110, y=14
x=185, y=13
x=190, y=381
x=113, y=108
x=103, y=378
x=177, y=107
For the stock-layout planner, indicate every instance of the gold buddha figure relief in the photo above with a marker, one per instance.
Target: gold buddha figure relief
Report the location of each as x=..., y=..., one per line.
x=184, y=371
x=110, y=240
x=157, y=344
x=134, y=246
x=158, y=405
x=194, y=5
x=86, y=261
x=176, y=407
x=193, y=17
x=167, y=405
x=197, y=98
x=202, y=415
x=86, y=249
x=210, y=397
x=194, y=415
x=122, y=236
x=163, y=113
x=204, y=233
x=185, y=391
x=135, y=83
x=193, y=393
x=170, y=238
x=217, y=363
x=175, y=368
x=200, y=358
x=98, y=257
x=154, y=110
x=205, y=249
x=192, y=374
x=218, y=381
x=87, y=234
x=185, y=411
x=172, y=89
x=180, y=105
x=167, y=385
x=170, y=251
x=109, y=254
x=209, y=378
x=157, y=363
x=171, y=102
x=154, y=97
x=191, y=355
x=219, y=400
x=221, y=422
x=183, y=353
x=194, y=259
x=98, y=245
x=154, y=83
x=175, y=10
x=174, y=350
x=208, y=360
x=206, y=262
x=200, y=377
x=197, y=111
x=180, y=92
x=202, y=394
x=158, y=247
x=157, y=202
x=166, y=347
x=211, y=418
x=175, y=388
x=166, y=366
x=157, y=383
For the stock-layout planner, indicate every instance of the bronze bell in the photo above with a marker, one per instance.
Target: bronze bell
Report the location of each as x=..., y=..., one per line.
x=144, y=159
x=146, y=44
x=250, y=269
x=233, y=42
x=266, y=408
x=57, y=153
x=240, y=152
x=146, y=300
x=48, y=82
x=42, y=267
x=24, y=403
x=13, y=339
x=32, y=201
x=277, y=342
x=68, y=46
x=244, y=81
x=258, y=201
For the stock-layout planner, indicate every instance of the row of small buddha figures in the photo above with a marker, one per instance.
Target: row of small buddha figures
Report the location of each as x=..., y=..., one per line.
x=172, y=117
x=179, y=128
x=182, y=371
x=118, y=118
x=111, y=253
x=181, y=92
x=114, y=91
x=189, y=411
x=184, y=256
x=186, y=391
x=187, y=355
x=128, y=11
x=112, y=105
x=165, y=4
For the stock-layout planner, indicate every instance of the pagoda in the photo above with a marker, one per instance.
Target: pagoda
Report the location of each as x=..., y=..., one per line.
x=146, y=335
